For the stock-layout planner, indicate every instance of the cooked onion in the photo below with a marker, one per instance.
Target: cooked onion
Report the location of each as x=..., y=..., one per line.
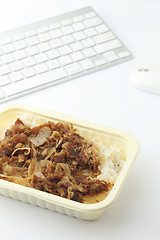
x=42, y=136
x=31, y=168
x=25, y=149
x=50, y=152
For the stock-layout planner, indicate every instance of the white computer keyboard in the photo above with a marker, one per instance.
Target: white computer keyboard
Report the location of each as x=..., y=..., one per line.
x=51, y=51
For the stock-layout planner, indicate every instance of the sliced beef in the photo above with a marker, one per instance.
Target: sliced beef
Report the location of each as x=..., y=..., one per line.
x=51, y=157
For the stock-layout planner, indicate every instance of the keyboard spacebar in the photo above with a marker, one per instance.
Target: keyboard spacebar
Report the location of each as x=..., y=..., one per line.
x=34, y=82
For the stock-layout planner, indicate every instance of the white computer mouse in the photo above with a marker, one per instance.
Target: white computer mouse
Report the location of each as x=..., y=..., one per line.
x=147, y=77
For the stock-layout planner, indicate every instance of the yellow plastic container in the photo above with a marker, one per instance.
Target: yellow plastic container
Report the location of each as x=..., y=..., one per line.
x=123, y=140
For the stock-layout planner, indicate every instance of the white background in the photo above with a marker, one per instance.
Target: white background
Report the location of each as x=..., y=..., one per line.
x=105, y=97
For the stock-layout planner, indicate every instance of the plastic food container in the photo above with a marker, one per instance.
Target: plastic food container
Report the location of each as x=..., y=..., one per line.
x=123, y=140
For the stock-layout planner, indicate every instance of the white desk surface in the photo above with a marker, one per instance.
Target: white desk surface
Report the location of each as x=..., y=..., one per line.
x=105, y=97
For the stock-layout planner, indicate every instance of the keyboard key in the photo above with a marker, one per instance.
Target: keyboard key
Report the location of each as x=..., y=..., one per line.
x=88, y=42
x=53, y=64
x=8, y=48
x=19, y=54
x=67, y=39
x=43, y=47
x=65, y=50
x=41, y=68
x=110, y=56
x=28, y=72
x=4, y=80
x=4, y=70
x=65, y=60
x=67, y=30
x=28, y=62
x=55, y=25
x=54, y=53
x=55, y=43
x=16, y=76
x=55, y=33
x=15, y=66
x=30, y=33
x=90, y=15
x=78, y=18
x=77, y=56
x=20, y=44
x=104, y=37
x=92, y=22
x=78, y=26
x=89, y=52
x=77, y=46
x=43, y=29
x=101, y=28
x=73, y=68
x=18, y=37
x=34, y=82
x=41, y=57
x=32, y=41
x=100, y=62
x=79, y=36
x=8, y=58
x=44, y=37
x=108, y=36
x=87, y=64
x=4, y=41
x=32, y=51
x=67, y=22
x=103, y=47
x=123, y=54
x=90, y=32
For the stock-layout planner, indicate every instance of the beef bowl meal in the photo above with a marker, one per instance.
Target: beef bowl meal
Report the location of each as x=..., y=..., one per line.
x=62, y=163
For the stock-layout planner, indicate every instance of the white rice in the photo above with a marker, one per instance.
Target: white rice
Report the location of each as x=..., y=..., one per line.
x=31, y=121
x=112, y=160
